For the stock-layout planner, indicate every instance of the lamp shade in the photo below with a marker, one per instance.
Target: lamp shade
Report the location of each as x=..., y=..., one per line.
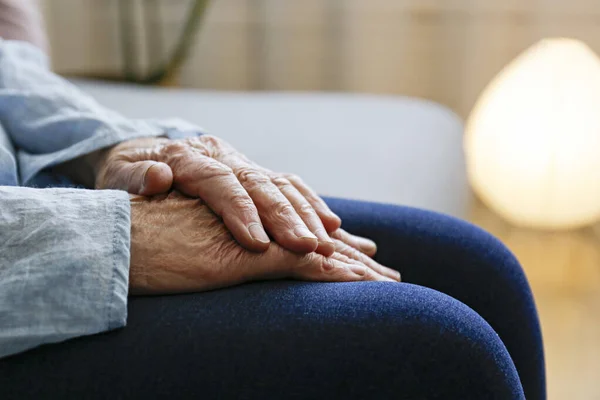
x=532, y=142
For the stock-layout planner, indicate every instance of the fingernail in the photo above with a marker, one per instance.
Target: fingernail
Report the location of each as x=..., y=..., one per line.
x=398, y=276
x=304, y=233
x=258, y=233
x=145, y=179
x=323, y=236
x=335, y=217
x=367, y=244
x=326, y=243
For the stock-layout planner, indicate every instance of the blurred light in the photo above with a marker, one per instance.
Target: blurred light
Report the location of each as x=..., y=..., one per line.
x=533, y=139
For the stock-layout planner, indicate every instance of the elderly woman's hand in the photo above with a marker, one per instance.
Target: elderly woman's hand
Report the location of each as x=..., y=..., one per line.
x=179, y=245
x=249, y=198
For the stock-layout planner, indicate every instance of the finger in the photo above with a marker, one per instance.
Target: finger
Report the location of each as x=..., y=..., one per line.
x=277, y=213
x=352, y=253
x=200, y=176
x=278, y=263
x=330, y=220
x=138, y=177
x=368, y=273
x=365, y=245
x=315, y=267
x=157, y=179
x=278, y=216
x=326, y=246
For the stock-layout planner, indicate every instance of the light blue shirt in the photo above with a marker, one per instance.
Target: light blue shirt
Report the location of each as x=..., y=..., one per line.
x=64, y=253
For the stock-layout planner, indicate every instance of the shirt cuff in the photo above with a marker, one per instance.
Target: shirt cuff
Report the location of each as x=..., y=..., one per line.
x=65, y=256
x=32, y=164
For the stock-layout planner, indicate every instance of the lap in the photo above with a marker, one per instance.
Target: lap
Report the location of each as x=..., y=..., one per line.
x=284, y=339
x=448, y=332
x=462, y=261
x=443, y=253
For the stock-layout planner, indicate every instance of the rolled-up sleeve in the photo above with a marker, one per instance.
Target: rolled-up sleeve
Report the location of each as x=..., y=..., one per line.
x=51, y=121
x=8, y=162
x=64, y=264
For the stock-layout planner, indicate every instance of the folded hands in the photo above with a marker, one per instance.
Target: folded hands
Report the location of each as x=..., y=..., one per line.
x=205, y=216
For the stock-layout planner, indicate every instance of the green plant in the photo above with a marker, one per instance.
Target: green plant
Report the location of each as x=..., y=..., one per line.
x=178, y=55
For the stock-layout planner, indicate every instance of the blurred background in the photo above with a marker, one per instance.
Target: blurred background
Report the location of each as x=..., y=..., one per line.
x=443, y=50
x=446, y=51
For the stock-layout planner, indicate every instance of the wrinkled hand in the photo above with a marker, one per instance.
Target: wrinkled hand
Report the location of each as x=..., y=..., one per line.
x=249, y=198
x=179, y=245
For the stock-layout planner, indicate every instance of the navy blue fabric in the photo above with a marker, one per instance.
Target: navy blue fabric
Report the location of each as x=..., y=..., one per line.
x=464, y=327
x=465, y=262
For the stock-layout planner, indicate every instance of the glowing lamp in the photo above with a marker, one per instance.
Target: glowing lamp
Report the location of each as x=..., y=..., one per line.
x=532, y=142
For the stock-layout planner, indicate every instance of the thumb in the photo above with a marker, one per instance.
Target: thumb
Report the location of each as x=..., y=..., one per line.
x=146, y=178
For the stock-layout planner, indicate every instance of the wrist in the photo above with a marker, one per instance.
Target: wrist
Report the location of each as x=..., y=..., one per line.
x=143, y=246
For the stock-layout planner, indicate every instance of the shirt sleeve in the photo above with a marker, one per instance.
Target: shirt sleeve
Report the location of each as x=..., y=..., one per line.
x=8, y=162
x=64, y=264
x=50, y=120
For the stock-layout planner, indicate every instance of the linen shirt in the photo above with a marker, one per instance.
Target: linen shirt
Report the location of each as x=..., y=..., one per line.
x=64, y=252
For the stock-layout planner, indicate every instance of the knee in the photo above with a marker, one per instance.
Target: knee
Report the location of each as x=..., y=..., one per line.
x=458, y=349
x=468, y=248
x=435, y=242
x=464, y=255
x=427, y=344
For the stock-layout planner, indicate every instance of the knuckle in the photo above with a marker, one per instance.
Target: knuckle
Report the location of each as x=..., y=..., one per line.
x=306, y=210
x=214, y=145
x=326, y=264
x=280, y=181
x=363, y=271
x=191, y=141
x=209, y=140
x=368, y=275
x=295, y=179
x=241, y=201
x=175, y=154
x=193, y=145
x=282, y=209
x=215, y=168
x=175, y=147
x=200, y=148
x=251, y=177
